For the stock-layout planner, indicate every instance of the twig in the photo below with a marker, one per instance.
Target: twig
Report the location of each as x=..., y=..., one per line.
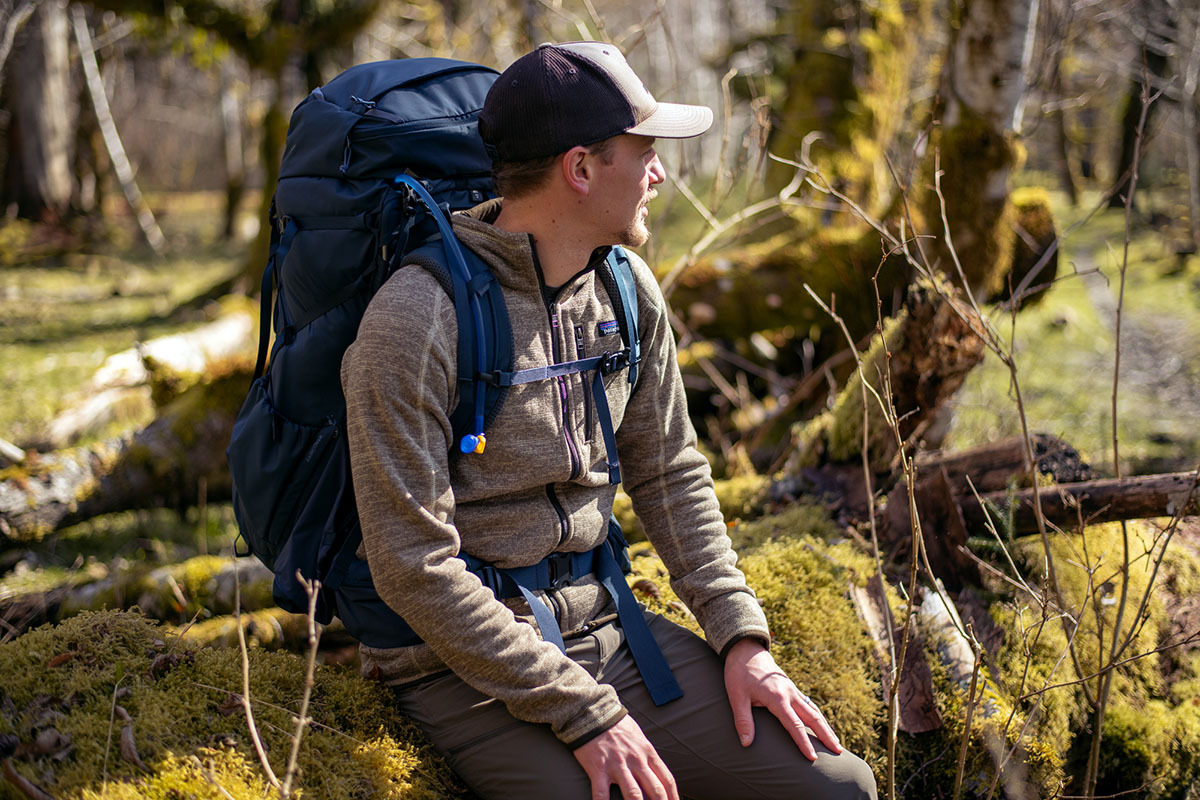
x=962, y=749
x=12, y=26
x=1105, y=684
x=112, y=140
x=23, y=784
x=1189, y=639
x=259, y=750
x=314, y=638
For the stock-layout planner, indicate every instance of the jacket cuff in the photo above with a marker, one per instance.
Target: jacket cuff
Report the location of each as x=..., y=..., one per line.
x=766, y=643
x=580, y=741
x=732, y=617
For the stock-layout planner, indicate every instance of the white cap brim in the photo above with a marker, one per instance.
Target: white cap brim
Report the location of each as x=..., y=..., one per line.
x=675, y=121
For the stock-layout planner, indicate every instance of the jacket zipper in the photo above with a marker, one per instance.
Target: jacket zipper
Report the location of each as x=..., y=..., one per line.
x=562, y=393
x=588, y=433
x=564, y=525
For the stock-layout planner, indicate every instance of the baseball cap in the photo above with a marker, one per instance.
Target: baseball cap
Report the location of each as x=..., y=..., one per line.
x=577, y=93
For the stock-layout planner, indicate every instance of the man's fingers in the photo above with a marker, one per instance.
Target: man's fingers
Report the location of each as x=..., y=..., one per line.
x=795, y=728
x=743, y=719
x=809, y=712
x=630, y=788
x=665, y=778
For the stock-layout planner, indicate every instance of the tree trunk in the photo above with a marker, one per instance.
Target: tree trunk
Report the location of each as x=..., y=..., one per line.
x=981, y=87
x=849, y=80
x=1151, y=64
x=38, y=178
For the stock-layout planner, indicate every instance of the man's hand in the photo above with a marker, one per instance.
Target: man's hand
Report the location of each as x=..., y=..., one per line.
x=752, y=678
x=623, y=756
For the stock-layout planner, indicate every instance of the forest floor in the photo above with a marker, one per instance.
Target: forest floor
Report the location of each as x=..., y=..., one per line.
x=1065, y=348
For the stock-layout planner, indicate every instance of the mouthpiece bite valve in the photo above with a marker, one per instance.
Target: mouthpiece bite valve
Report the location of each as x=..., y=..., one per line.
x=473, y=443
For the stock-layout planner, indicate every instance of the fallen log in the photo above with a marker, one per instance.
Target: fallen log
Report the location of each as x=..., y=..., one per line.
x=162, y=465
x=172, y=593
x=993, y=466
x=130, y=384
x=1070, y=505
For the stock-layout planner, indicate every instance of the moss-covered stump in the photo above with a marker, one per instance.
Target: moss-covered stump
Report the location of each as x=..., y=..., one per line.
x=928, y=350
x=187, y=724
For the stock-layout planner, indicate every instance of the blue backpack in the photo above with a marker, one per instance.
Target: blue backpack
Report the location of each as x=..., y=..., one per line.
x=373, y=162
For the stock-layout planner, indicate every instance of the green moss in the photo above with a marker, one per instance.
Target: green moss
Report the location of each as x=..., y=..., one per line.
x=183, y=711
x=836, y=434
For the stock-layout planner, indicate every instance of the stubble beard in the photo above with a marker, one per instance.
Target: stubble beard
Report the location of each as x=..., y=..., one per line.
x=637, y=233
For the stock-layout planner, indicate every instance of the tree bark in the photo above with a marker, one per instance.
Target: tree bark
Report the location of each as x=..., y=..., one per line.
x=982, y=86
x=38, y=176
x=1068, y=505
x=161, y=465
x=993, y=466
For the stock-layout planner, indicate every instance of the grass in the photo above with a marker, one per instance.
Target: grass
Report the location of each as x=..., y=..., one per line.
x=62, y=315
x=1064, y=348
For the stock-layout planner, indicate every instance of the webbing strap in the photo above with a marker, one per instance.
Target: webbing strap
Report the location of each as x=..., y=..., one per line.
x=535, y=374
x=611, y=460
x=559, y=568
x=280, y=244
x=651, y=663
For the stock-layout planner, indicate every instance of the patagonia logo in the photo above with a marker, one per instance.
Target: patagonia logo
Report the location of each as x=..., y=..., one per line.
x=608, y=328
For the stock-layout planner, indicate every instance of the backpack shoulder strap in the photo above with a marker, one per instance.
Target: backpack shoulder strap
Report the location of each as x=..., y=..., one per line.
x=616, y=273
x=496, y=339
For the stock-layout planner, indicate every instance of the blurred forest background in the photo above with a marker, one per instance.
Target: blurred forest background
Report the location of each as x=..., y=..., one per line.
x=935, y=280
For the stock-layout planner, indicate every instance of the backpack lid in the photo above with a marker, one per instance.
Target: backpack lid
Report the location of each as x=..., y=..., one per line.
x=383, y=98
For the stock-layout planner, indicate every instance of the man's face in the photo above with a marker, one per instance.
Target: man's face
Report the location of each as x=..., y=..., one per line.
x=625, y=185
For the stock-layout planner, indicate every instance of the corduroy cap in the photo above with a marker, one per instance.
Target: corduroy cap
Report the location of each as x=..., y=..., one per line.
x=578, y=93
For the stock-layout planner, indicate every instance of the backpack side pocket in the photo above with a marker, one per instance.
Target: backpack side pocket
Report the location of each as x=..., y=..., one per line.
x=274, y=462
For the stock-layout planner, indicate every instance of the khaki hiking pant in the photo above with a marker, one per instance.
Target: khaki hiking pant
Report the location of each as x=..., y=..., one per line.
x=501, y=757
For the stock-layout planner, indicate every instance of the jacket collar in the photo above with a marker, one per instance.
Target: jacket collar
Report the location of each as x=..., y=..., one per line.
x=511, y=256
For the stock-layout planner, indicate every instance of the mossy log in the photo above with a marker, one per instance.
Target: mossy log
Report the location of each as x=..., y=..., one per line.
x=928, y=349
x=132, y=383
x=164, y=464
x=177, y=593
x=1072, y=505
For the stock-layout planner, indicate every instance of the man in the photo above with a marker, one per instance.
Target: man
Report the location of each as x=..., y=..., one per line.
x=572, y=130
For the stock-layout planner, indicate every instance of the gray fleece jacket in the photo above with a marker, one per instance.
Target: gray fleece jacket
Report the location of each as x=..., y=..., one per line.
x=539, y=487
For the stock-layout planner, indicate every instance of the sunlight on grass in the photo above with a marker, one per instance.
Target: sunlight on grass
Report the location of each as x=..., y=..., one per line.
x=1065, y=348
x=61, y=318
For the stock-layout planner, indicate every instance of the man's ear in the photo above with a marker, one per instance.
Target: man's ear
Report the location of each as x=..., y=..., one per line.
x=576, y=166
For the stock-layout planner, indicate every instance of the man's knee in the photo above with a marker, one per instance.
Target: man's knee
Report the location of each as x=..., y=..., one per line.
x=842, y=777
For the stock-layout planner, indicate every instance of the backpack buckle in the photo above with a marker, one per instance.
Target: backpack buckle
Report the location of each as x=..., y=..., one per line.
x=558, y=567
x=614, y=362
